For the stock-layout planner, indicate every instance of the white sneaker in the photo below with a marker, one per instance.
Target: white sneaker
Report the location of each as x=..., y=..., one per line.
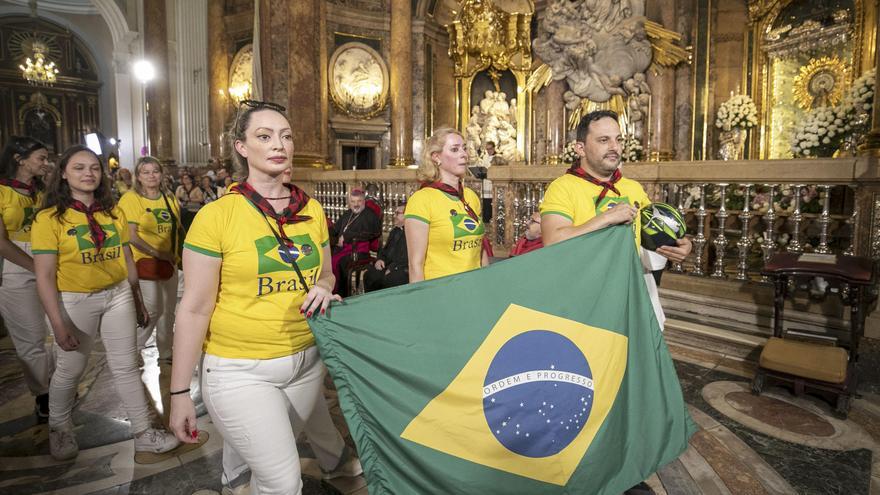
x=345, y=469
x=155, y=441
x=62, y=444
x=244, y=489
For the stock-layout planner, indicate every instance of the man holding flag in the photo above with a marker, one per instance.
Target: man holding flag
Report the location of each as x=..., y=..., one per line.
x=593, y=194
x=546, y=374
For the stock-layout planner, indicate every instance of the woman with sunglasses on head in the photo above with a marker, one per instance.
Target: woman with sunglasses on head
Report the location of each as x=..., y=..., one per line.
x=154, y=229
x=256, y=266
x=83, y=261
x=23, y=164
x=444, y=228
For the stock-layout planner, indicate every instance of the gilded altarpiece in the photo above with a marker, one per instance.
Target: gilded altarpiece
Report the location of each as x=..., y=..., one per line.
x=486, y=42
x=804, y=55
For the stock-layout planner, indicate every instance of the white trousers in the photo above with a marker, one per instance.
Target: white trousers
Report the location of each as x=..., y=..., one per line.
x=25, y=319
x=111, y=312
x=259, y=405
x=160, y=298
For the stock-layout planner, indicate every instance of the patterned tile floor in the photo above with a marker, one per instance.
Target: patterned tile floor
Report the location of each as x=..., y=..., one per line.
x=775, y=443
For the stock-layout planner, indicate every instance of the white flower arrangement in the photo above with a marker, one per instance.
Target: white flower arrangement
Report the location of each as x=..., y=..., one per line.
x=632, y=149
x=819, y=133
x=569, y=155
x=738, y=111
x=857, y=103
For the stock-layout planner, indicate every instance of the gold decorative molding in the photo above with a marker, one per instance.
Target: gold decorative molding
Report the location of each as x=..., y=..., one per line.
x=665, y=46
x=400, y=162
x=483, y=36
x=820, y=83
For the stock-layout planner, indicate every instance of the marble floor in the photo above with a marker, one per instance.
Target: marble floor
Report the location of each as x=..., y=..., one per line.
x=775, y=443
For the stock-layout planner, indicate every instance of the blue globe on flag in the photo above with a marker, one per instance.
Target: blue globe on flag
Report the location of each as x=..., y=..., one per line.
x=538, y=393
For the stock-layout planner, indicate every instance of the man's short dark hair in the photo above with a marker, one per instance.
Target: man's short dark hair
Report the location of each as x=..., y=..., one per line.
x=583, y=127
x=490, y=142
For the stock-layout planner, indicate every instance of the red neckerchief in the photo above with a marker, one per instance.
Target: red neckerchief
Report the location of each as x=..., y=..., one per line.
x=289, y=215
x=17, y=184
x=459, y=193
x=98, y=234
x=605, y=185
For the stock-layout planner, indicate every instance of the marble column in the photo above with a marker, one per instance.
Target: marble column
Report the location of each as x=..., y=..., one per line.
x=556, y=122
x=158, y=90
x=218, y=72
x=683, y=117
x=293, y=58
x=401, y=84
x=662, y=118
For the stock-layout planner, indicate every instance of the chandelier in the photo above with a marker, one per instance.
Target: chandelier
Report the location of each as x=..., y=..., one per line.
x=37, y=71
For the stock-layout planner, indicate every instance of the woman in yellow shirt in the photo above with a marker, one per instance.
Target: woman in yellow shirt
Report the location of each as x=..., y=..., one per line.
x=444, y=228
x=22, y=165
x=82, y=260
x=256, y=265
x=154, y=227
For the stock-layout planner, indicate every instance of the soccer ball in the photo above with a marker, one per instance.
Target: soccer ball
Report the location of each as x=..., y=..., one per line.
x=662, y=225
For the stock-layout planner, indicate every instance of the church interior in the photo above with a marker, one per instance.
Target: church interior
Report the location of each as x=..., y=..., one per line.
x=758, y=120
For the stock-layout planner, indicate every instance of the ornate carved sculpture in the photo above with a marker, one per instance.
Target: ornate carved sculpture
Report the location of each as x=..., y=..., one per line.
x=494, y=119
x=482, y=36
x=602, y=51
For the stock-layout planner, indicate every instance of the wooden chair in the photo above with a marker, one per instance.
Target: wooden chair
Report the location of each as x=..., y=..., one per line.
x=827, y=368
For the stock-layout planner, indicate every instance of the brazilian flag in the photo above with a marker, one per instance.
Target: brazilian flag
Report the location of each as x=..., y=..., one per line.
x=543, y=374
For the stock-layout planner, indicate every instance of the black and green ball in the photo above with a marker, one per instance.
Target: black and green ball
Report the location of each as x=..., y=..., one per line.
x=662, y=225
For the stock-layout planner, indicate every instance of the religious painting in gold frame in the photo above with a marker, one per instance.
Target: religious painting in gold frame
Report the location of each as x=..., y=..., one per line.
x=771, y=79
x=359, y=80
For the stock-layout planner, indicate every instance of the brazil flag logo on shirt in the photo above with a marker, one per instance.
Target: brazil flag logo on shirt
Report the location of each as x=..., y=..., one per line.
x=607, y=203
x=28, y=219
x=162, y=215
x=274, y=258
x=530, y=400
x=463, y=226
x=84, y=237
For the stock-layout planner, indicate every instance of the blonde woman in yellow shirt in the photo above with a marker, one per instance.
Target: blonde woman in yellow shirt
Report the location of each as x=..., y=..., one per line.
x=444, y=228
x=256, y=266
x=87, y=281
x=22, y=165
x=153, y=217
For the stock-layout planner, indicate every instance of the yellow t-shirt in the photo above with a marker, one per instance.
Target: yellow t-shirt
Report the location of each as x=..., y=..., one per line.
x=81, y=268
x=257, y=312
x=575, y=199
x=152, y=218
x=17, y=211
x=455, y=240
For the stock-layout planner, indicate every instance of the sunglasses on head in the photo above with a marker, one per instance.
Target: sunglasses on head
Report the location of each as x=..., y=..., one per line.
x=263, y=104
